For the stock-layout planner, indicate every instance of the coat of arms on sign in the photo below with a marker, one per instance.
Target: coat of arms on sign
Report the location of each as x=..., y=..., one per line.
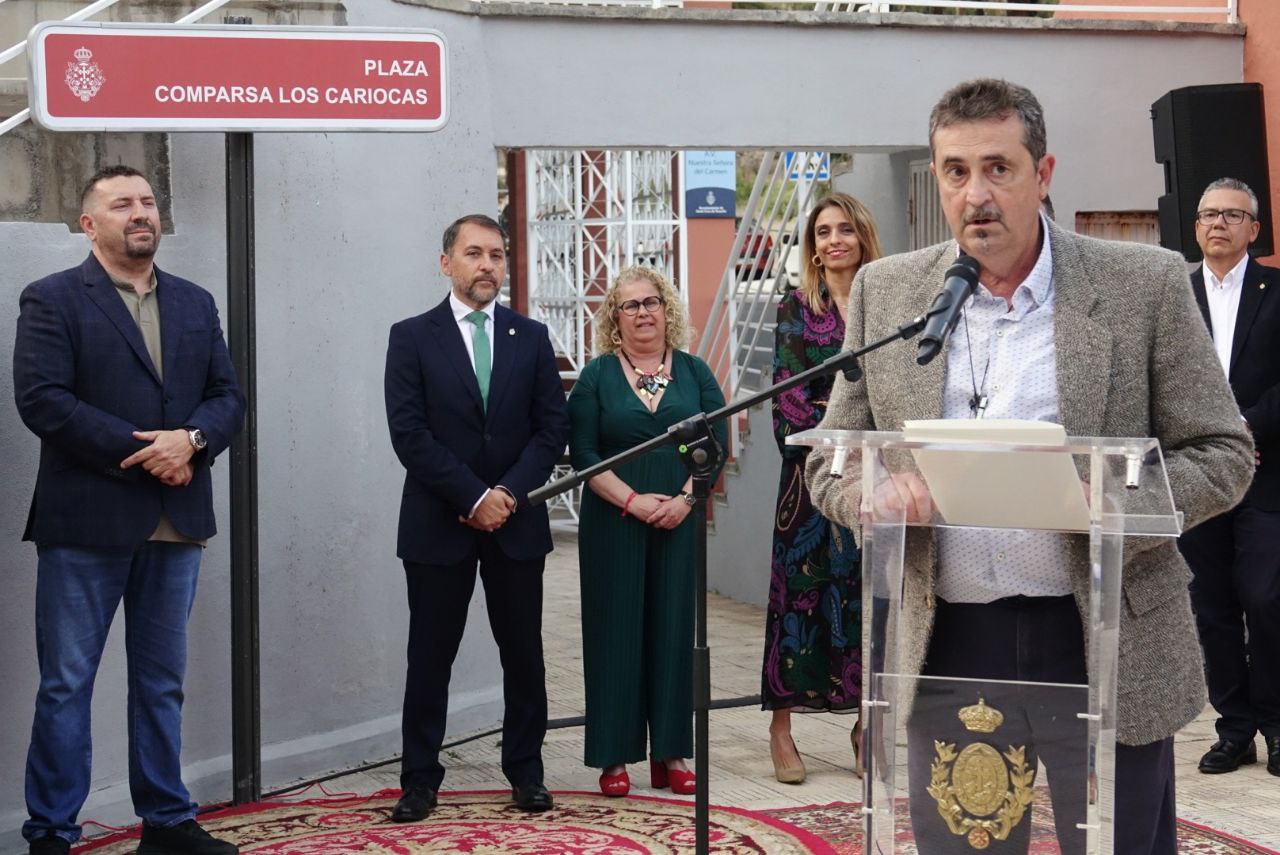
x=84, y=77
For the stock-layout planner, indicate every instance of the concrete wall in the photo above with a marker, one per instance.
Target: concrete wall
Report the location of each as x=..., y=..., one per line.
x=740, y=544
x=347, y=243
x=1097, y=90
x=879, y=180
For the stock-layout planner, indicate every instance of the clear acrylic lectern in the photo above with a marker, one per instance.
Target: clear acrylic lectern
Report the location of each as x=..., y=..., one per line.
x=969, y=762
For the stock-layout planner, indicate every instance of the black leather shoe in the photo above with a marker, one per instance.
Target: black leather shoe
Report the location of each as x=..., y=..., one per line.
x=1273, y=755
x=416, y=803
x=1228, y=755
x=532, y=796
x=50, y=844
x=185, y=838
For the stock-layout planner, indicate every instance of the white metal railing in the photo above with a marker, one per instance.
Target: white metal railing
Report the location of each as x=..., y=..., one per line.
x=563, y=509
x=80, y=15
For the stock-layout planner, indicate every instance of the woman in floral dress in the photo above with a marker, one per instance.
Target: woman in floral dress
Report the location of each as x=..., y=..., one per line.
x=813, y=634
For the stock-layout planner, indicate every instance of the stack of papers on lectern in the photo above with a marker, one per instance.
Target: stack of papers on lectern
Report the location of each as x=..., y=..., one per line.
x=994, y=489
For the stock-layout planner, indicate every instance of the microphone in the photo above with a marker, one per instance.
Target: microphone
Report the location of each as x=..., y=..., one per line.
x=960, y=283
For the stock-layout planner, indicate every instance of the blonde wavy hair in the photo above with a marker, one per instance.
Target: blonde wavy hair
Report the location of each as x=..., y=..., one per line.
x=868, y=239
x=609, y=340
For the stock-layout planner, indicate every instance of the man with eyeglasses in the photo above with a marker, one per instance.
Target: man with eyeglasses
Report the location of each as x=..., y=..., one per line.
x=1235, y=557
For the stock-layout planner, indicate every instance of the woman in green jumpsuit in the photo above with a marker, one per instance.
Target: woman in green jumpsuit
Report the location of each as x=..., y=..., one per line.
x=636, y=533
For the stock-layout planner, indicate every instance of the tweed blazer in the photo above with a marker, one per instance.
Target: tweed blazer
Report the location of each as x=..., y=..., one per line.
x=1133, y=359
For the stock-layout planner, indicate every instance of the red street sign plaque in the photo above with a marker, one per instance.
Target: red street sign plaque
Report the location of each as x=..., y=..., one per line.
x=137, y=77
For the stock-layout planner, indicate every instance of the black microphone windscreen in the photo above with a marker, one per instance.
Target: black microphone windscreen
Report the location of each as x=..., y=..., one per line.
x=967, y=267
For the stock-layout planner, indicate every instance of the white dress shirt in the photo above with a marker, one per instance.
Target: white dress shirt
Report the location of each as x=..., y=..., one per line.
x=1224, y=303
x=460, y=312
x=1013, y=349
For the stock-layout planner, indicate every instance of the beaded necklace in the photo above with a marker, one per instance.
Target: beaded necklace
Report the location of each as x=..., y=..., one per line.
x=650, y=383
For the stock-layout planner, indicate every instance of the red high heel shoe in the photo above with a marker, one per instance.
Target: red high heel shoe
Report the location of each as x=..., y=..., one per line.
x=615, y=785
x=683, y=782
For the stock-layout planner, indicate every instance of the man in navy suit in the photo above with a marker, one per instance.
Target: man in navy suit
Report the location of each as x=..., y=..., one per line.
x=478, y=418
x=1235, y=557
x=122, y=371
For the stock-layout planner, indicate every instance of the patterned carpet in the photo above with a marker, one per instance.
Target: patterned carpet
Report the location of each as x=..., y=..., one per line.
x=839, y=825
x=486, y=823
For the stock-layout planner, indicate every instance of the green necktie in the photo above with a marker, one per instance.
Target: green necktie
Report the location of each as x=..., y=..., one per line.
x=480, y=351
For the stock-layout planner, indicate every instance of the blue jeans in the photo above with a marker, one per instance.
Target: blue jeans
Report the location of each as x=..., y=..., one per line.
x=78, y=590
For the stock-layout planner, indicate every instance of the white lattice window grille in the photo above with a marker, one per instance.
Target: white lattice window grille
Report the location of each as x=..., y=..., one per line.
x=591, y=214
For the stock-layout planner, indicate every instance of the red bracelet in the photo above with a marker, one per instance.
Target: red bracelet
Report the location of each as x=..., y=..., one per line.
x=627, y=503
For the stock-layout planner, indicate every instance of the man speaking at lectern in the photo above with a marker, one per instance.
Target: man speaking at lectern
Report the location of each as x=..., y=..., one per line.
x=1103, y=338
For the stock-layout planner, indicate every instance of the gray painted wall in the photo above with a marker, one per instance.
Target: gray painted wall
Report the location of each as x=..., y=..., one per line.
x=347, y=243
x=879, y=180
x=740, y=543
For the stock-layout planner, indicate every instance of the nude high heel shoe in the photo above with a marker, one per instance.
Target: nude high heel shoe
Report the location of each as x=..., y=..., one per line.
x=786, y=772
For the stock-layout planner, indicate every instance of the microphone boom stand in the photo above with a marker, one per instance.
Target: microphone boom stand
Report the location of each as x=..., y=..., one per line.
x=703, y=456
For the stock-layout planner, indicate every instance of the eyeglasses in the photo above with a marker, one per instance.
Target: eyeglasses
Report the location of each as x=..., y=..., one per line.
x=631, y=308
x=1233, y=216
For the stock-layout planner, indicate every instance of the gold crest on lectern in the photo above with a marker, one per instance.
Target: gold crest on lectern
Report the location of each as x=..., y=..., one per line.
x=981, y=793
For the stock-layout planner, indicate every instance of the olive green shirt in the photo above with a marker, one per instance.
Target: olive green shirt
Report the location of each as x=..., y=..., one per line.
x=144, y=308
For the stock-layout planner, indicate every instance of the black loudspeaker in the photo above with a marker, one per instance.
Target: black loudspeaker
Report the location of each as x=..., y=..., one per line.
x=1203, y=133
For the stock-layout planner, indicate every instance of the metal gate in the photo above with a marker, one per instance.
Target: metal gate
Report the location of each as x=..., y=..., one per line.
x=924, y=211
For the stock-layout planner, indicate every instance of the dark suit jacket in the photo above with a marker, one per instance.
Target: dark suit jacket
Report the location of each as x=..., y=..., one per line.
x=453, y=450
x=84, y=382
x=1255, y=371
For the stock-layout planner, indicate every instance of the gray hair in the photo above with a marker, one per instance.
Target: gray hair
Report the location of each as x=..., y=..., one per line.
x=988, y=98
x=1232, y=184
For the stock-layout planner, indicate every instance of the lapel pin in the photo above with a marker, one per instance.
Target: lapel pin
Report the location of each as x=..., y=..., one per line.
x=511, y=331
x=1262, y=285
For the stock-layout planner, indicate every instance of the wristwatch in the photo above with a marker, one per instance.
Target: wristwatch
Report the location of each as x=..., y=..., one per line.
x=196, y=436
x=688, y=498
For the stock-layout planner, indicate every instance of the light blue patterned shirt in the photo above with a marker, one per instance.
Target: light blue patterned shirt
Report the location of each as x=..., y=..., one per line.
x=1007, y=354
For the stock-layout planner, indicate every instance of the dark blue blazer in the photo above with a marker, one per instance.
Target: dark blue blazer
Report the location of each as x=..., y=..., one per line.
x=453, y=450
x=84, y=383
x=1255, y=371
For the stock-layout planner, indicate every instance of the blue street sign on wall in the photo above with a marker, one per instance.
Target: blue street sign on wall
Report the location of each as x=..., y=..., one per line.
x=817, y=166
x=711, y=185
